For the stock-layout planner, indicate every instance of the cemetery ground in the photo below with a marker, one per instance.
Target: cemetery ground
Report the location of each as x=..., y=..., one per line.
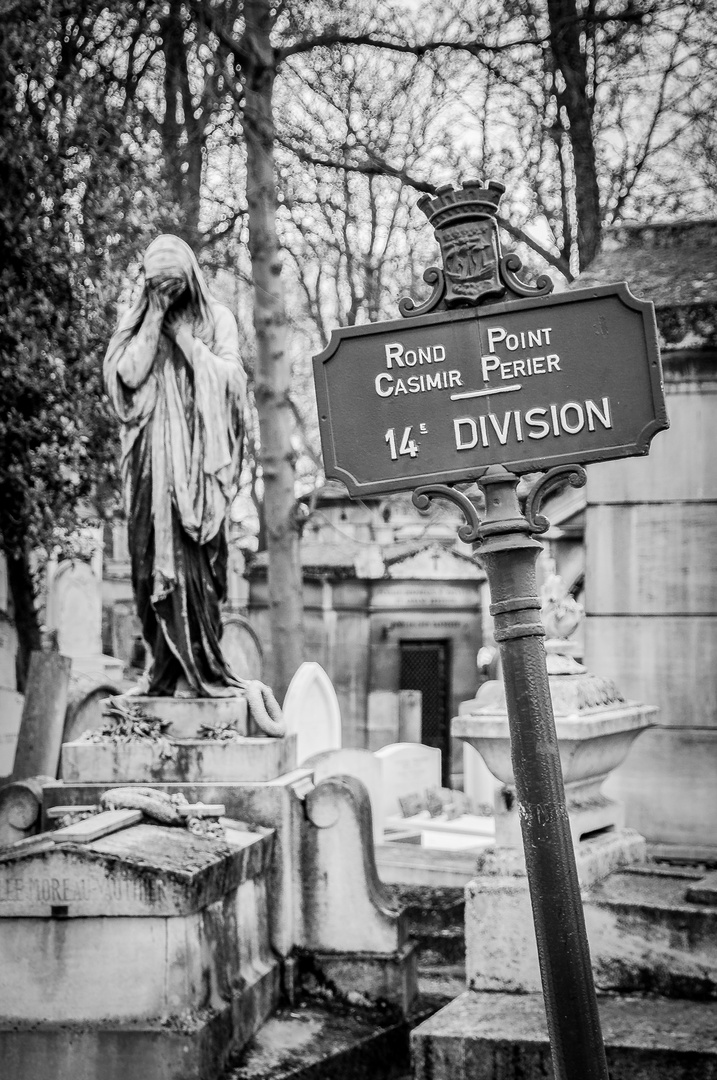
x=454, y=984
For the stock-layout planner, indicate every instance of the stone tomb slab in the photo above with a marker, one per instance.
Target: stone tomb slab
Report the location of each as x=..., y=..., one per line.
x=133, y=932
x=275, y=805
x=192, y=761
x=493, y=1036
x=146, y=870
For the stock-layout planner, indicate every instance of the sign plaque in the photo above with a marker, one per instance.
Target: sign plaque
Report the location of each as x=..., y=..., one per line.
x=529, y=384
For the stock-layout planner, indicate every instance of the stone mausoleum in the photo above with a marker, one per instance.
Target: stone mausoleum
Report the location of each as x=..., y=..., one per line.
x=393, y=604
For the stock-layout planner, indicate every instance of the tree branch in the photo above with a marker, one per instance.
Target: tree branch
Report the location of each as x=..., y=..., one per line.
x=375, y=167
x=327, y=40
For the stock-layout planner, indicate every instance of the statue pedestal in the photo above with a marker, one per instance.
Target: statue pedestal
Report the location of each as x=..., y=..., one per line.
x=181, y=755
x=186, y=716
x=596, y=728
x=183, y=761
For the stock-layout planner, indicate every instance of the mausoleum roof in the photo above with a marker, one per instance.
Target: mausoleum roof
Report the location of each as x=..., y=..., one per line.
x=358, y=559
x=319, y=556
x=674, y=264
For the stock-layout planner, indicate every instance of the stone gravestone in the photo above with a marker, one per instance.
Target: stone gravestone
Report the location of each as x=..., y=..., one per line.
x=10, y=699
x=43, y=716
x=363, y=766
x=241, y=647
x=74, y=612
x=86, y=699
x=311, y=711
x=382, y=718
x=408, y=769
x=410, y=715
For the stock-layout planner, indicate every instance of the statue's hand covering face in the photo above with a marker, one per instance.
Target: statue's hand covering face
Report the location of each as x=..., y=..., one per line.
x=180, y=401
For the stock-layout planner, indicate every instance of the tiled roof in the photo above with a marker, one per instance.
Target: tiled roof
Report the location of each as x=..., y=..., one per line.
x=674, y=264
x=340, y=558
x=321, y=555
x=398, y=553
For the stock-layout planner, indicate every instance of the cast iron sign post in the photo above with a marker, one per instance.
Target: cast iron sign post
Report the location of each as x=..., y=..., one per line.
x=488, y=380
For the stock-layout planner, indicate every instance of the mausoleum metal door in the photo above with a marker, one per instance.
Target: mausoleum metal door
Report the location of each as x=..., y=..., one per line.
x=425, y=666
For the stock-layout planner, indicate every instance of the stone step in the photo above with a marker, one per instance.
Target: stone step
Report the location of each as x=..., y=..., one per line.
x=311, y=1042
x=430, y=909
x=436, y=921
x=498, y=1036
x=441, y=982
x=647, y=935
x=448, y=947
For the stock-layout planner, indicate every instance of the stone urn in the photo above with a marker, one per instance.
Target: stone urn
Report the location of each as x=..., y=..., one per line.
x=596, y=727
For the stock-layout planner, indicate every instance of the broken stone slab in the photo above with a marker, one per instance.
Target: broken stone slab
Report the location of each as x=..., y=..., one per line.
x=188, y=761
x=323, y=894
x=96, y=826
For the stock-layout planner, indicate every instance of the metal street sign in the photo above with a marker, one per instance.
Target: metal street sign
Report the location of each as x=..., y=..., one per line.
x=527, y=384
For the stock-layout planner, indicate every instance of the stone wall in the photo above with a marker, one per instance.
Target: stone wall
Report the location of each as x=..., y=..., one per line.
x=651, y=601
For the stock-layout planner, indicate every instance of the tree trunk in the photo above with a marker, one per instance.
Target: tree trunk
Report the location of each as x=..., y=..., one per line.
x=181, y=142
x=570, y=60
x=273, y=369
x=27, y=625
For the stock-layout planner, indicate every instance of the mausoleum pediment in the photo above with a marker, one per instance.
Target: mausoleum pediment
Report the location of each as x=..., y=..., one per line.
x=433, y=561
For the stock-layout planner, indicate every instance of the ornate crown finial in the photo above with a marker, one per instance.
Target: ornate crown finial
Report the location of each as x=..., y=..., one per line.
x=464, y=220
x=473, y=200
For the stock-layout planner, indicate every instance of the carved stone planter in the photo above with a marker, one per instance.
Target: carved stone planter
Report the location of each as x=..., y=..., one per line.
x=596, y=727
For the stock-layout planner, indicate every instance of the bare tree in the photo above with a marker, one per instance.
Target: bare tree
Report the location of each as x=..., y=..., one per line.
x=307, y=130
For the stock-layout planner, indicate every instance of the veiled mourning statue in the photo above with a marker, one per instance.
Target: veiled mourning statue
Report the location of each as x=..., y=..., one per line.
x=176, y=380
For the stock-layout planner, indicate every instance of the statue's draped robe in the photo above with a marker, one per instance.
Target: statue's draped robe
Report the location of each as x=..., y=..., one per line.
x=181, y=443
